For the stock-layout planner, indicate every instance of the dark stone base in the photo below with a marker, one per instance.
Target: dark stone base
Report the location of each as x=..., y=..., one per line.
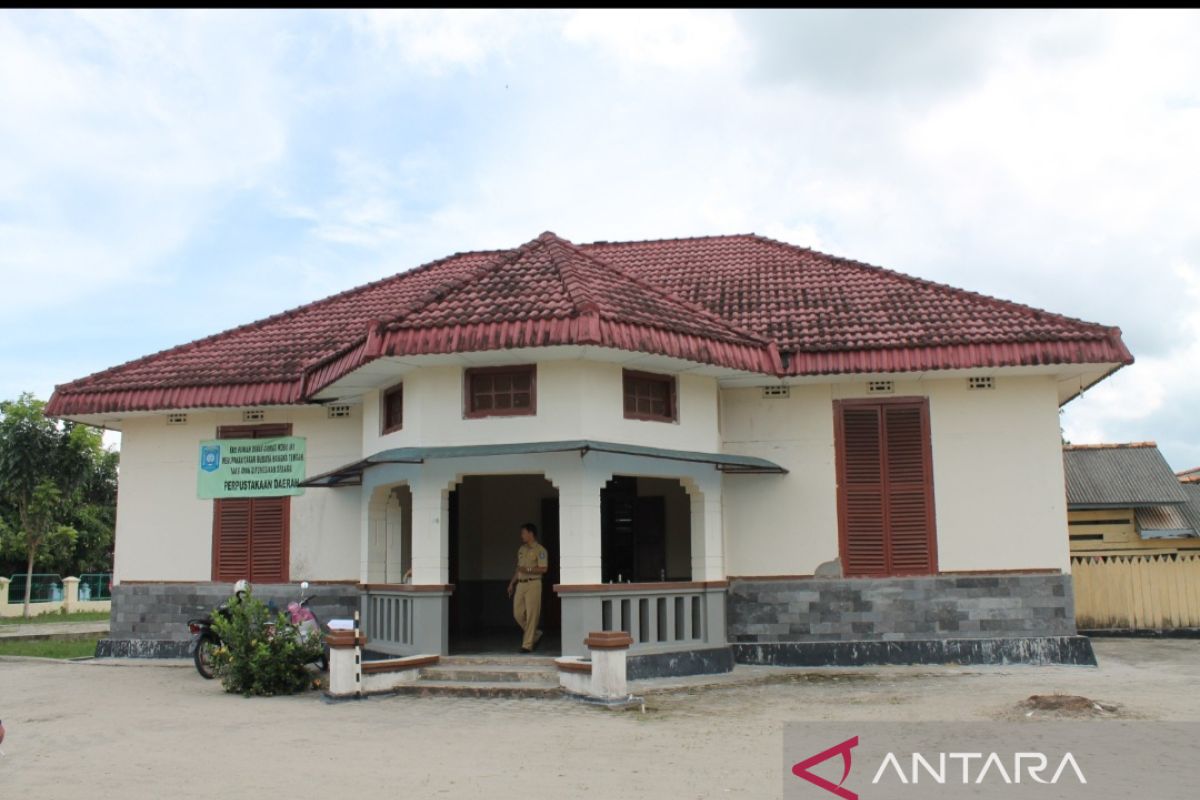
x=1124, y=633
x=706, y=661
x=150, y=620
x=1073, y=650
x=141, y=648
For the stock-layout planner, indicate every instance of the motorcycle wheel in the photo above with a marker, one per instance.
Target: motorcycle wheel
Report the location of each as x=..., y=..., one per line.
x=203, y=657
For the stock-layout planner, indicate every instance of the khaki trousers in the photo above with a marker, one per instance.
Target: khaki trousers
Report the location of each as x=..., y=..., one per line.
x=527, y=608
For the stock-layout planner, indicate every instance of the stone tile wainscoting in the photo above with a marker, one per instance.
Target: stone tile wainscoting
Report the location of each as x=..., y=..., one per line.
x=966, y=619
x=149, y=620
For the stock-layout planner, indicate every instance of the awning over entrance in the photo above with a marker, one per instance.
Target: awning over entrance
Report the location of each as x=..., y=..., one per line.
x=351, y=474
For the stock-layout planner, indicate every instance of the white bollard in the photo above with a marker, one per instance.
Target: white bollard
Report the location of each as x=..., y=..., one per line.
x=345, y=663
x=608, y=650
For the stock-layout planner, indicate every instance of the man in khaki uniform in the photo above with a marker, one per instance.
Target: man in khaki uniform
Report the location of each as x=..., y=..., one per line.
x=525, y=588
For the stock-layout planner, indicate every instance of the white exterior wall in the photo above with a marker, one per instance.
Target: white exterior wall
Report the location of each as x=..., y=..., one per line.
x=998, y=482
x=575, y=400
x=997, y=468
x=164, y=531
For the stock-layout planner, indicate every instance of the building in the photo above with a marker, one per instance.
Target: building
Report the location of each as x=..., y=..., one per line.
x=734, y=448
x=1134, y=529
x=1124, y=499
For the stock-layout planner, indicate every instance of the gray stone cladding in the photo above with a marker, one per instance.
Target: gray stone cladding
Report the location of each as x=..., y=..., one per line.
x=900, y=609
x=151, y=619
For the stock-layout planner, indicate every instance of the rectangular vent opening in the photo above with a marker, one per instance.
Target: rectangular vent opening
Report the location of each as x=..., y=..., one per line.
x=880, y=387
x=177, y=419
x=253, y=415
x=771, y=392
x=980, y=382
x=338, y=411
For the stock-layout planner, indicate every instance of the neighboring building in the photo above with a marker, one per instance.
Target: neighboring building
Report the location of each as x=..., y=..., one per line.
x=734, y=447
x=1134, y=530
x=1124, y=499
x=1190, y=475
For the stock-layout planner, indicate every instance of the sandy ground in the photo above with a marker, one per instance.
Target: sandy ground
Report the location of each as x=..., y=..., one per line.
x=132, y=730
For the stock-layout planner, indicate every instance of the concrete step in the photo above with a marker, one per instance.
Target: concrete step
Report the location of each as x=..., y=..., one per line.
x=490, y=673
x=431, y=688
x=499, y=661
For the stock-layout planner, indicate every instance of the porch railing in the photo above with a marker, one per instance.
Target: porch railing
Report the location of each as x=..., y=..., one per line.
x=403, y=620
x=658, y=616
x=388, y=620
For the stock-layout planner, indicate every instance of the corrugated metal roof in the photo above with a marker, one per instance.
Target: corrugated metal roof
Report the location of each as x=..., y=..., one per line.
x=1163, y=522
x=1119, y=476
x=1191, y=510
x=351, y=474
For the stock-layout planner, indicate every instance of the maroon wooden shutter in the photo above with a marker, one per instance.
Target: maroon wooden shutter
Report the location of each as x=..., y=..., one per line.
x=864, y=543
x=251, y=537
x=885, y=488
x=231, y=540
x=269, y=539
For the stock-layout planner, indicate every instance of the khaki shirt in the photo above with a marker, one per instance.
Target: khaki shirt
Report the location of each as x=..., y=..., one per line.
x=530, y=557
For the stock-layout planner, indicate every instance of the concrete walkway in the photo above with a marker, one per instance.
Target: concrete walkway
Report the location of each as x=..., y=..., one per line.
x=53, y=630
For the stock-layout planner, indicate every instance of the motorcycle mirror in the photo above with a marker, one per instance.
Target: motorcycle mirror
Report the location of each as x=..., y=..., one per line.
x=303, y=585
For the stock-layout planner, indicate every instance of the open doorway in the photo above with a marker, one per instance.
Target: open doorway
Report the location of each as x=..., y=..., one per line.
x=645, y=530
x=485, y=518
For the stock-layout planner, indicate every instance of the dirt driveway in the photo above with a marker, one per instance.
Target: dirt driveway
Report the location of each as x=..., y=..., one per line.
x=153, y=731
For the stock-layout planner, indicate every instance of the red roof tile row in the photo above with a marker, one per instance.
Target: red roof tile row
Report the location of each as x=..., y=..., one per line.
x=743, y=302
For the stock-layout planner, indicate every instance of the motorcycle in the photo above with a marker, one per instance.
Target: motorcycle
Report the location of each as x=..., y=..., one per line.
x=204, y=639
x=307, y=624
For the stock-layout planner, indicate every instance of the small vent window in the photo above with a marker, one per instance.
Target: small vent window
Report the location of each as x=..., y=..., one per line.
x=880, y=387
x=254, y=415
x=980, y=382
x=337, y=412
x=775, y=392
x=177, y=419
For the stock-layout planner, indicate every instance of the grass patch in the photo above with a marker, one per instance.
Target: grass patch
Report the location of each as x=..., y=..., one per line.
x=49, y=619
x=50, y=648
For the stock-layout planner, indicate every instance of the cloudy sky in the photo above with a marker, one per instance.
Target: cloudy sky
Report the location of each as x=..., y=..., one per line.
x=164, y=176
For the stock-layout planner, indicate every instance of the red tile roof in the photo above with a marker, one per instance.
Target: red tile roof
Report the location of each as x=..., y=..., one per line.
x=731, y=301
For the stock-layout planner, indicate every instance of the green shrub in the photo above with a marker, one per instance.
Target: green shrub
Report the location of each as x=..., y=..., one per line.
x=261, y=653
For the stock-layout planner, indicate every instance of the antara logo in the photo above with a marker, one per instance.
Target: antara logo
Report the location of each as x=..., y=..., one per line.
x=940, y=769
x=801, y=770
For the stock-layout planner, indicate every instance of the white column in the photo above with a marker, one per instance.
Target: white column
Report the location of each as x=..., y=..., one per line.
x=394, y=540
x=430, y=531
x=708, y=557
x=578, y=521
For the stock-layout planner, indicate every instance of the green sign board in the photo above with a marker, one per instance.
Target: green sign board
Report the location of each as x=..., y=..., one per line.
x=250, y=467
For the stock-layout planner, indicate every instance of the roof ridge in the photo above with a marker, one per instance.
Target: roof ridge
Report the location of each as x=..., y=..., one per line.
x=427, y=298
x=665, y=293
x=1101, y=329
x=574, y=284
x=80, y=384
x=1110, y=445
x=605, y=242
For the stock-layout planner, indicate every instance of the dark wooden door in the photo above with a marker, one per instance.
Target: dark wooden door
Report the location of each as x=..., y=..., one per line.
x=551, y=610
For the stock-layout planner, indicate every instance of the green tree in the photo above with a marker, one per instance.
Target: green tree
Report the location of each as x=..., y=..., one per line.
x=48, y=478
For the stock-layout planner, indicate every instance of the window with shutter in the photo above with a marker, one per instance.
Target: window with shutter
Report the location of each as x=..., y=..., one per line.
x=251, y=536
x=393, y=409
x=885, y=488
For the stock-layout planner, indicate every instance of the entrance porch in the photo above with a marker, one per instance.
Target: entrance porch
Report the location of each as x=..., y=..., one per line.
x=634, y=535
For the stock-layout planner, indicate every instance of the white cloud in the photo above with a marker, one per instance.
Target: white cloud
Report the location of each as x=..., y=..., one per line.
x=118, y=130
x=1155, y=398
x=675, y=40
x=438, y=42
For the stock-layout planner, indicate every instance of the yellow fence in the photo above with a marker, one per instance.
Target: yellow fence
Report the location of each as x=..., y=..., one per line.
x=1137, y=592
